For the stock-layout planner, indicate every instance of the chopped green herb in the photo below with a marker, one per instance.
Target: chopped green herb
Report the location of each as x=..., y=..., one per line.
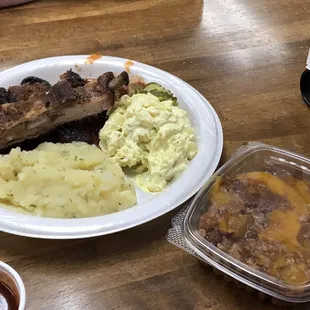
x=33, y=206
x=15, y=173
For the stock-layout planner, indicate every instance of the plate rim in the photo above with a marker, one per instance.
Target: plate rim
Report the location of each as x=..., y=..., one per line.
x=212, y=167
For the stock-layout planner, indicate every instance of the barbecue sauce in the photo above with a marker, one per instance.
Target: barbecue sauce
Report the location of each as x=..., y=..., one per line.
x=7, y=299
x=92, y=58
x=128, y=64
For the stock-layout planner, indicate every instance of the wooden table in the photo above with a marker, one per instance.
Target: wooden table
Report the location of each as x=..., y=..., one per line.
x=246, y=57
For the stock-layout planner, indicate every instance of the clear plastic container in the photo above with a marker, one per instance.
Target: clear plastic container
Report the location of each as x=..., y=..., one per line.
x=278, y=182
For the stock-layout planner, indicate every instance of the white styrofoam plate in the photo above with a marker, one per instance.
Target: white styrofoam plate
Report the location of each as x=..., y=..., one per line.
x=149, y=206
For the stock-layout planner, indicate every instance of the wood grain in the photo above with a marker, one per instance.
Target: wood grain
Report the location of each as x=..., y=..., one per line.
x=246, y=57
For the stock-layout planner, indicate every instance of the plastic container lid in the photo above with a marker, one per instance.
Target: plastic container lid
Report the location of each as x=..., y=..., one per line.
x=261, y=224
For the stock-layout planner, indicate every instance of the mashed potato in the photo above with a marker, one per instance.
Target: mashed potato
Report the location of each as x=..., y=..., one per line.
x=64, y=181
x=155, y=138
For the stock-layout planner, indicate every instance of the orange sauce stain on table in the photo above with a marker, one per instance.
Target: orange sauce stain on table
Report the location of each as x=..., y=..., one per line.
x=127, y=65
x=92, y=58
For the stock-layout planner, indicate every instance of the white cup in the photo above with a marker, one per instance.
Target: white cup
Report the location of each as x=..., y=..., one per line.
x=11, y=279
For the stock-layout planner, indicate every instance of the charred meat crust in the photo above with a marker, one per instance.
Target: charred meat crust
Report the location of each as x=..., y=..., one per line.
x=73, y=78
x=103, y=82
x=26, y=92
x=31, y=80
x=3, y=95
x=86, y=130
x=7, y=96
x=40, y=109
